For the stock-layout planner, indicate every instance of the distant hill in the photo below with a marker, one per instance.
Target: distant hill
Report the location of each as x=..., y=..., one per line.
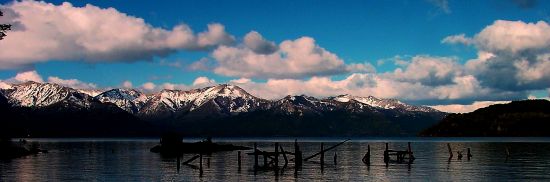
x=528, y=118
x=51, y=110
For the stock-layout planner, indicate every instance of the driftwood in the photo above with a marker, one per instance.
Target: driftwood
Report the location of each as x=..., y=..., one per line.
x=325, y=150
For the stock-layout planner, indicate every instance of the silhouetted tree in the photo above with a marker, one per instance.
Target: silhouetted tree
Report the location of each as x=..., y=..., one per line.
x=3, y=28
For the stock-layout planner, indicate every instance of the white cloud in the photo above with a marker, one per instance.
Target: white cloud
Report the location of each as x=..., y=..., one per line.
x=457, y=39
x=28, y=76
x=73, y=83
x=254, y=41
x=429, y=70
x=514, y=37
x=512, y=56
x=47, y=32
x=203, y=81
x=203, y=64
x=215, y=35
x=459, y=108
x=298, y=58
x=127, y=84
x=148, y=86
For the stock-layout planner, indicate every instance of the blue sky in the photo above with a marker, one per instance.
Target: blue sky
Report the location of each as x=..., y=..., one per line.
x=356, y=31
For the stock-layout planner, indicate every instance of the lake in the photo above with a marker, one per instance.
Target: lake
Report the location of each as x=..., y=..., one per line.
x=131, y=160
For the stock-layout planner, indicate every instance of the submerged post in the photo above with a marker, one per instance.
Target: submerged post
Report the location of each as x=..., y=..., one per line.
x=255, y=156
x=386, y=155
x=297, y=154
x=200, y=163
x=450, y=151
x=239, y=160
x=322, y=155
x=335, y=158
x=366, y=158
x=178, y=161
x=276, y=155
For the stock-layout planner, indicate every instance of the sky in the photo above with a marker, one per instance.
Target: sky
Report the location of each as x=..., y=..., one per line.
x=455, y=55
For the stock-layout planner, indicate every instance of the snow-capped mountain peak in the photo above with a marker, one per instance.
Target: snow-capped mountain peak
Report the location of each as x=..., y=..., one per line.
x=382, y=103
x=128, y=99
x=34, y=94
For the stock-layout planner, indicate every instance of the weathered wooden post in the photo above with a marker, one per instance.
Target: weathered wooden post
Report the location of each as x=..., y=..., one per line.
x=239, y=160
x=255, y=156
x=297, y=154
x=265, y=159
x=335, y=158
x=200, y=163
x=178, y=161
x=276, y=155
x=469, y=154
x=366, y=158
x=450, y=151
x=322, y=155
x=386, y=155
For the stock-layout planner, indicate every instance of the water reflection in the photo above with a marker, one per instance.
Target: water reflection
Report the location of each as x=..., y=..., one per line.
x=131, y=160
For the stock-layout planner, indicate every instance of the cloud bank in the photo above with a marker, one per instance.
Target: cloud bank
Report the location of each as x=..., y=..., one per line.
x=45, y=32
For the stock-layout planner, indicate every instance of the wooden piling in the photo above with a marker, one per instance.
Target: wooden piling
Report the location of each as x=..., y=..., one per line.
x=335, y=159
x=239, y=160
x=450, y=151
x=276, y=155
x=297, y=155
x=255, y=156
x=178, y=163
x=386, y=155
x=200, y=163
x=366, y=158
x=322, y=155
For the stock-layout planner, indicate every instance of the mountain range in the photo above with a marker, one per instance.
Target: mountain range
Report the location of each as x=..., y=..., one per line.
x=47, y=109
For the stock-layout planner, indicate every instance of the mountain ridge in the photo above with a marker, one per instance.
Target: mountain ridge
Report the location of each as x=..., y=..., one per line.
x=227, y=109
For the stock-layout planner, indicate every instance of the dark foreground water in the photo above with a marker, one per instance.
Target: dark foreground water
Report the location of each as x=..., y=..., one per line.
x=130, y=160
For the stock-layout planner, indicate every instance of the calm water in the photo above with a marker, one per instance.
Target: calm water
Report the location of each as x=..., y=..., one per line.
x=130, y=160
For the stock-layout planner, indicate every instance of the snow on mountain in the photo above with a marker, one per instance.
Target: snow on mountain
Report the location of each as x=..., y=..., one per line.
x=129, y=100
x=91, y=92
x=228, y=98
x=33, y=94
x=4, y=85
x=223, y=98
x=383, y=103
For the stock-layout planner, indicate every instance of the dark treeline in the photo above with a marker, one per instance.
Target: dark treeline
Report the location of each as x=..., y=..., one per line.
x=518, y=118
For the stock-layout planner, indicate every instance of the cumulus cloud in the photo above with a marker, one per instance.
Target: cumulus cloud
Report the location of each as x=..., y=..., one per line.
x=457, y=39
x=73, y=83
x=203, y=64
x=255, y=42
x=45, y=32
x=428, y=70
x=127, y=84
x=148, y=86
x=298, y=58
x=203, y=81
x=27, y=76
x=466, y=108
x=33, y=75
x=464, y=89
x=512, y=56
